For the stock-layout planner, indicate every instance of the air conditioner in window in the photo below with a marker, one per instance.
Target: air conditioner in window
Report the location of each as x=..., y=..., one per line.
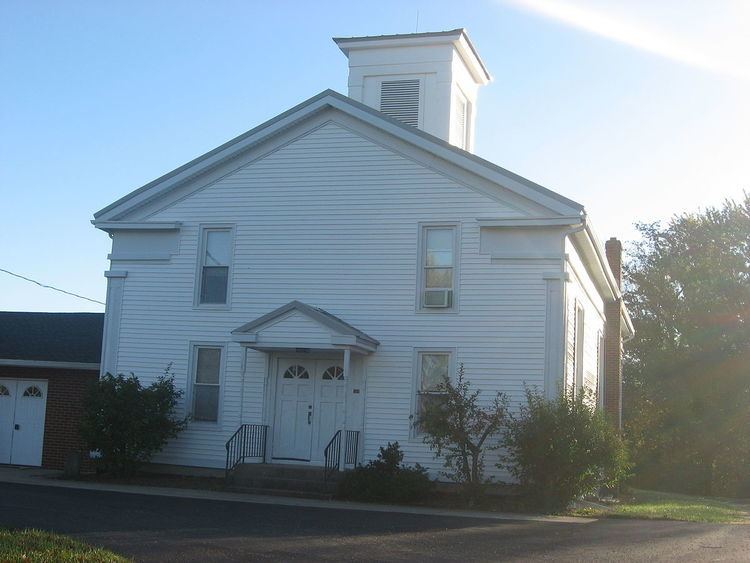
x=437, y=298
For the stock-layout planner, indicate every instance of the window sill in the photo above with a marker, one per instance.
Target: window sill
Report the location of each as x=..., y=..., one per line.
x=212, y=307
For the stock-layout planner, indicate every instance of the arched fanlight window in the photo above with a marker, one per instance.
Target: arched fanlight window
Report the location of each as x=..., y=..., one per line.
x=296, y=372
x=4, y=391
x=32, y=391
x=334, y=373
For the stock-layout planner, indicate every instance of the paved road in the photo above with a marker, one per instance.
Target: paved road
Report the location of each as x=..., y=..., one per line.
x=151, y=528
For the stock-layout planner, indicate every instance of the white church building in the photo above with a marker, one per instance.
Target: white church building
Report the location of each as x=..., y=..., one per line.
x=312, y=280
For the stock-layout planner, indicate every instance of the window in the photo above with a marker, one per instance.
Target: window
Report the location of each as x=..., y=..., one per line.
x=334, y=373
x=432, y=370
x=4, y=391
x=578, y=340
x=438, y=277
x=399, y=99
x=216, y=249
x=600, y=369
x=206, y=383
x=296, y=372
x=32, y=391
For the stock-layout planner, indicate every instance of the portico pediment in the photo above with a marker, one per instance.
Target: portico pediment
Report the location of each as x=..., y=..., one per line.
x=298, y=326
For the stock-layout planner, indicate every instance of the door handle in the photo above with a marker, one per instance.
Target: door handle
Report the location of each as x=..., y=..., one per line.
x=309, y=414
x=17, y=426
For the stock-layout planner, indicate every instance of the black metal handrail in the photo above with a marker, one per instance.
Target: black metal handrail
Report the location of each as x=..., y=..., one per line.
x=351, y=447
x=248, y=441
x=332, y=455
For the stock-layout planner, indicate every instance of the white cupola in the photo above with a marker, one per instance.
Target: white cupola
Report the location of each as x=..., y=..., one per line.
x=428, y=80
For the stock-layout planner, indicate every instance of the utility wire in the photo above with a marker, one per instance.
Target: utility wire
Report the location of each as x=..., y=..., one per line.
x=51, y=287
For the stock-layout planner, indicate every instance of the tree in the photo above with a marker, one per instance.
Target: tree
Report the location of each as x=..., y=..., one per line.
x=127, y=422
x=562, y=449
x=687, y=371
x=457, y=428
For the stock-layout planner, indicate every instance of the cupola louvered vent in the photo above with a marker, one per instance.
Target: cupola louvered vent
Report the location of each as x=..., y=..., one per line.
x=399, y=99
x=459, y=121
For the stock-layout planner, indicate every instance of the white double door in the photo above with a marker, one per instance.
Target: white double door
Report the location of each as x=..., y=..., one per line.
x=22, y=411
x=310, y=396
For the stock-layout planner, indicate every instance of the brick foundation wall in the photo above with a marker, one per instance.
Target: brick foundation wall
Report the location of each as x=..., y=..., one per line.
x=65, y=392
x=613, y=341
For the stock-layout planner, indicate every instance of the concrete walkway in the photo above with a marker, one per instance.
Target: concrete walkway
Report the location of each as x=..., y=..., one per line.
x=50, y=478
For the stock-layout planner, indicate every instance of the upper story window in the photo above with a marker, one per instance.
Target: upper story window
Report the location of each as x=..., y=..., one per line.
x=215, y=262
x=438, y=267
x=578, y=349
x=399, y=99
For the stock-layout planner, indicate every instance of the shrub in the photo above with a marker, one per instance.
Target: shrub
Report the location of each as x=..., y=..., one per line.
x=458, y=428
x=562, y=449
x=129, y=423
x=386, y=479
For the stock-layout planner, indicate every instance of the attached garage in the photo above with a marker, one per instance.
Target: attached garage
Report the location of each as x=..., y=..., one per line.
x=47, y=361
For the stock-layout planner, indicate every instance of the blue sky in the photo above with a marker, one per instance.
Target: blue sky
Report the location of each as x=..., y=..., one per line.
x=636, y=109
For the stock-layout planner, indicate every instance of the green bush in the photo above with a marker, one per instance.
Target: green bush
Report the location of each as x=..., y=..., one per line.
x=458, y=428
x=386, y=479
x=129, y=423
x=562, y=449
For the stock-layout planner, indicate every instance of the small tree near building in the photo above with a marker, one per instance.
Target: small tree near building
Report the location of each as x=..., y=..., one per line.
x=129, y=423
x=460, y=430
x=562, y=449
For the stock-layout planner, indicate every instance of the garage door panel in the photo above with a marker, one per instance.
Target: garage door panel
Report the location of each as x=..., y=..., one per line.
x=7, y=412
x=22, y=422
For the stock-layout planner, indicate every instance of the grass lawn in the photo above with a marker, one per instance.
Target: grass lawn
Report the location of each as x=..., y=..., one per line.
x=37, y=546
x=654, y=505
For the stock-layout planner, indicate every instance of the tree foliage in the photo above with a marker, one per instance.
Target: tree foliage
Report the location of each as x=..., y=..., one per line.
x=129, y=423
x=562, y=449
x=687, y=372
x=458, y=429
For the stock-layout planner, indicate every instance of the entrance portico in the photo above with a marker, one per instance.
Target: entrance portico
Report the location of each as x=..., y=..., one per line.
x=315, y=381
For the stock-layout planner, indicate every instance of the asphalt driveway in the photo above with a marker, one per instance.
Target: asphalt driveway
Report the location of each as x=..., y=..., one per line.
x=155, y=528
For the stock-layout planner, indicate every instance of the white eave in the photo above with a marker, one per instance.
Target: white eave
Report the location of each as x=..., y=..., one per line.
x=110, y=226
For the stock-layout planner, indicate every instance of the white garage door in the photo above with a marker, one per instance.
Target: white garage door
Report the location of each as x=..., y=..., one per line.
x=22, y=406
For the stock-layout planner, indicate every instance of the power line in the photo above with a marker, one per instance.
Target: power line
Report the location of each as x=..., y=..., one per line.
x=51, y=287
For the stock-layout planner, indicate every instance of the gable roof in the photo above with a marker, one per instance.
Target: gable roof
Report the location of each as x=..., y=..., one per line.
x=59, y=338
x=323, y=317
x=329, y=99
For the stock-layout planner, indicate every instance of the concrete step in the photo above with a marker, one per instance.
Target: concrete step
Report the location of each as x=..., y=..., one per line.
x=259, y=470
x=277, y=479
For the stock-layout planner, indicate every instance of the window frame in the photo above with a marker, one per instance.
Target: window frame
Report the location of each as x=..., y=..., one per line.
x=421, y=266
x=579, y=348
x=600, y=360
x=203, y=231
x=193, y=372
x=414, y=432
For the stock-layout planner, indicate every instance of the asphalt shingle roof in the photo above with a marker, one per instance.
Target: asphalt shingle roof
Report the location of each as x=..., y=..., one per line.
x=51, y=337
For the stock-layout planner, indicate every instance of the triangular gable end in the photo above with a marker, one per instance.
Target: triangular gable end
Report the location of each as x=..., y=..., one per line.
x=299, y=326
x=161, y=188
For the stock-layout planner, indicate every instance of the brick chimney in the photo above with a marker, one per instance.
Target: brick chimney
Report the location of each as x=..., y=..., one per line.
x=613, y=340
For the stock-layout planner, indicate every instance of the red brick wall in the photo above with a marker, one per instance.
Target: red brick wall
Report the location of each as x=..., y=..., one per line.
x=65, y=392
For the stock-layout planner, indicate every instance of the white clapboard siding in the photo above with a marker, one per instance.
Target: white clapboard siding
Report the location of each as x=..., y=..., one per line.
x=581, y=291
x=331, y=219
